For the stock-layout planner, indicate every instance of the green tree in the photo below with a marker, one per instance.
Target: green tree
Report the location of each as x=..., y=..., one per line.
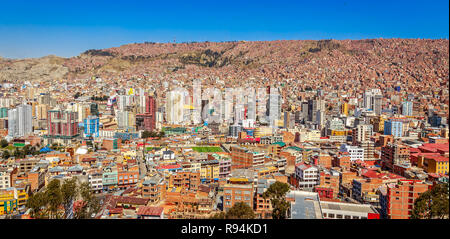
x=146, y=134
x=69, y=193
x=6, y=154
x=240, y=210
x=277, y=195
x=3, y=143
x=90, y=203
x=432, y=204
x=37, y=202
x=220, y=215
x=54, y=197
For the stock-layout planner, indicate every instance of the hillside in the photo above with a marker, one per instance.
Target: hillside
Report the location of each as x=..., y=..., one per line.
x=325, y=59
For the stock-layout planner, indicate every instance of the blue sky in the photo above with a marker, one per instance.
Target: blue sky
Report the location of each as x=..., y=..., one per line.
x=67, y=28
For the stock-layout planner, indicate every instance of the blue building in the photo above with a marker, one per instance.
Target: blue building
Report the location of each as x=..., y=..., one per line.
x=394, y=128
x=435, y=120
x=91, y=126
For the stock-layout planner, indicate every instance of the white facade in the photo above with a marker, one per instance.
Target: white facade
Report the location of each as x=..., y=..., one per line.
x=355, y=153
x=20, y=121
x=5, y=180
x=307, y=176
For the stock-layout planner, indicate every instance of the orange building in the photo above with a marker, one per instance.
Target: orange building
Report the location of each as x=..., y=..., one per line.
x=401, y=196
x=185, y=180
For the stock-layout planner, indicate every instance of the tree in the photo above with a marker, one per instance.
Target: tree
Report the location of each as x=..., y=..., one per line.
x=37, y=202
x=4, y=143
x=433, y=203
x=90, y=204
x=220, y=215
x=240, y=210
x=277, y=195
x=146, y=134
x=6, y=154
x=54, y=197
x=69, y=193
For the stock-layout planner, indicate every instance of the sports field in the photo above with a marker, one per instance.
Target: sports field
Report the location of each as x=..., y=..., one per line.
x=207, y=149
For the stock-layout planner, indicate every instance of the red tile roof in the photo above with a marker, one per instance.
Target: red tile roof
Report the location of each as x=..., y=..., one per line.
x=438, y=158
x=150, y=211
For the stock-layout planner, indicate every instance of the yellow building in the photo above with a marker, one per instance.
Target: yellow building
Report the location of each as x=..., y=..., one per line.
x=263, y=131
x=265, y=171
x=436, y=164
x=209, y=170
x=378, y=123
x=344, y=109
x=11, y=199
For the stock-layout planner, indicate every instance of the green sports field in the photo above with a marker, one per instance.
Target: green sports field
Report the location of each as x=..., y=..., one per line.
x=207, y=149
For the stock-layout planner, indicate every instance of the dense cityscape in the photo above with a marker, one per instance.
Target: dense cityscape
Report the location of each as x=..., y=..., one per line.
x=285, y=129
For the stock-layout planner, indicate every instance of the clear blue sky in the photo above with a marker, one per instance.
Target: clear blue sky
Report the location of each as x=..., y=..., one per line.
x=67, y=28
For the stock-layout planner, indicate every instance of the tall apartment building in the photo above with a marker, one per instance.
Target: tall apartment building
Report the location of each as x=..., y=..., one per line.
x=392, y=127
x=362, y=132
x=369, y=149
x=394, y=154
x=399, y=199
x=147, y=120
x=20, y=121
x=126, y=120
x=175, y=107
x=372, y=100
x=91, y=126
x=6, y=102
x=62, y=126
x=407, y=108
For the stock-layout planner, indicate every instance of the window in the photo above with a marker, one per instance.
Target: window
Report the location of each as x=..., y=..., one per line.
x=355, y=217
x=339, y=216
x=347, y=217
x=331, y=215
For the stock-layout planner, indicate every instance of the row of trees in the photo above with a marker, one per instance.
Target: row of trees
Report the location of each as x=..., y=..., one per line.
x=57, y=199
x=277, y=195
x=152, y=134
x=21, y=153
x=99, y=98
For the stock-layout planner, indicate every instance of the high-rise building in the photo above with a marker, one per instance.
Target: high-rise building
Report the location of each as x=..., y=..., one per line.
x=313, y=106
x=126, y=120
x=91, y=126
x=62, y=123
x=399, y=200
x=175, y=107
x=372, y=100
x=407, y=108
x=362, y=132
x=147, y=120
x=377, y=104
x=392, y=127
x=394, y=154
x=20, y=121
x=344, y=109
